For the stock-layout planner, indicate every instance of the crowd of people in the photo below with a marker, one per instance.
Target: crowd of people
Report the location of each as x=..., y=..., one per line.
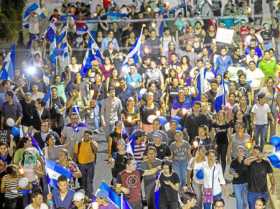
x=170, y=142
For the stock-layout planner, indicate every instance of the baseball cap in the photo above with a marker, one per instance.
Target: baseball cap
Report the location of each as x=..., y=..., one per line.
x=78, y=196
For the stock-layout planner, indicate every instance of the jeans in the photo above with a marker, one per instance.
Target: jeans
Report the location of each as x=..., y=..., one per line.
x=222, y=154
x=95, y=115
x=87, y=171
x=260, y=134
x=197, y=188
x=253, y=196
x=241, y=192
x=180, y=168
x=209, y=205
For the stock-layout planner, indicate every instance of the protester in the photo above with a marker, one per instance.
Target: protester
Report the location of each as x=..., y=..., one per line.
x=240, y=178
x=258, y=169
x=37, y=201
x=85, y=152
x=168, y=184
x=61, y=197
x=155, y=78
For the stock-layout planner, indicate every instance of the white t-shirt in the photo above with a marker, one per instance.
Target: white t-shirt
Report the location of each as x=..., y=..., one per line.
x=196, y=167
x=218, y=177
x=255, y=77
x=261, y=112
x=43, y=206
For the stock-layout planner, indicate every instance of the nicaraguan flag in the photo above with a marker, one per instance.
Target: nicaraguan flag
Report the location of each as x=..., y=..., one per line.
x=47, y=96
x=53, y=53
x=135, y=50
x=199, y=81
x=95, y=50
x=33, y=7
x=62, y=36
x=156, y=194
x=119, y=201
x=36, y=145
x=220, y=99
x=9, y=64
x=64, y=51
x=93, y=53
x=115, y=15
x=54, y=171
x=86, y=63
x=131, y=142
x=50, y=33
x=274, y=159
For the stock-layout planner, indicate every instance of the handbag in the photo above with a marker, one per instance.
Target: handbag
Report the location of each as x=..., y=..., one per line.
x=208, y=192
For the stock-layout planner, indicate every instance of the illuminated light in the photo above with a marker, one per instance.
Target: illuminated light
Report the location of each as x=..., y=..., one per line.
x=249, y=145
x=31, y=70
x=195, y=144
x=129, y=119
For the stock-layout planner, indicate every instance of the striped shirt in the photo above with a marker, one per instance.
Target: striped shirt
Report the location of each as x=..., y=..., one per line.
x=10, y=187
x=139, y=150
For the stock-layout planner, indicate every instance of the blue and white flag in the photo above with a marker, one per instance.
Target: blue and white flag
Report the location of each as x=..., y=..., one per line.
x=38, y=148
x=156, y=193
x=55, y=170
x=64, y=48
x=53, y=53
x=47, y=96
x=220, y=99
x=29, y=9
x=65, y=56
x=93, y=53
x=62, y=36
x=50, y=33
x=9, y=64
x=274, y=159
x=51, y=36
x=135, y=51
x=118, y=200
x=131, y=142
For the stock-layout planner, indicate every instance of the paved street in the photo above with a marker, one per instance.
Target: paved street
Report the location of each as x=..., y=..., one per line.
x=103, y=172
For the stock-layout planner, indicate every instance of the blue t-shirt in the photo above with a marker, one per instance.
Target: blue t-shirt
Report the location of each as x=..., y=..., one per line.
x=66, y=203
x=187, y=104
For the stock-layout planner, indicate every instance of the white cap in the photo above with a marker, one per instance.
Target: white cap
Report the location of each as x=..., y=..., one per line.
x=78, y=196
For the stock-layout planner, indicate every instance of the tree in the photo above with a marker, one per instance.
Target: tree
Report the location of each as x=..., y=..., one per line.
x=10, y=19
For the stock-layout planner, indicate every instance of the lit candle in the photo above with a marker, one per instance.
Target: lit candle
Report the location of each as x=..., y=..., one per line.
x=129, y=118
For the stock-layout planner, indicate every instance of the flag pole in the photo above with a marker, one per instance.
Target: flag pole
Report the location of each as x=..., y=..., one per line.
x=121, y=200
x=66, y=34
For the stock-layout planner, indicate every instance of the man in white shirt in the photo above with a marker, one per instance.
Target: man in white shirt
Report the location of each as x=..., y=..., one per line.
x=254, y=76
x=213, y=178
x=37, y=201
x=261, y=113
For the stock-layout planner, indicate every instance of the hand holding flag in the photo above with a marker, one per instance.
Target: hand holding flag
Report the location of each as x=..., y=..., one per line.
x=9, y=65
